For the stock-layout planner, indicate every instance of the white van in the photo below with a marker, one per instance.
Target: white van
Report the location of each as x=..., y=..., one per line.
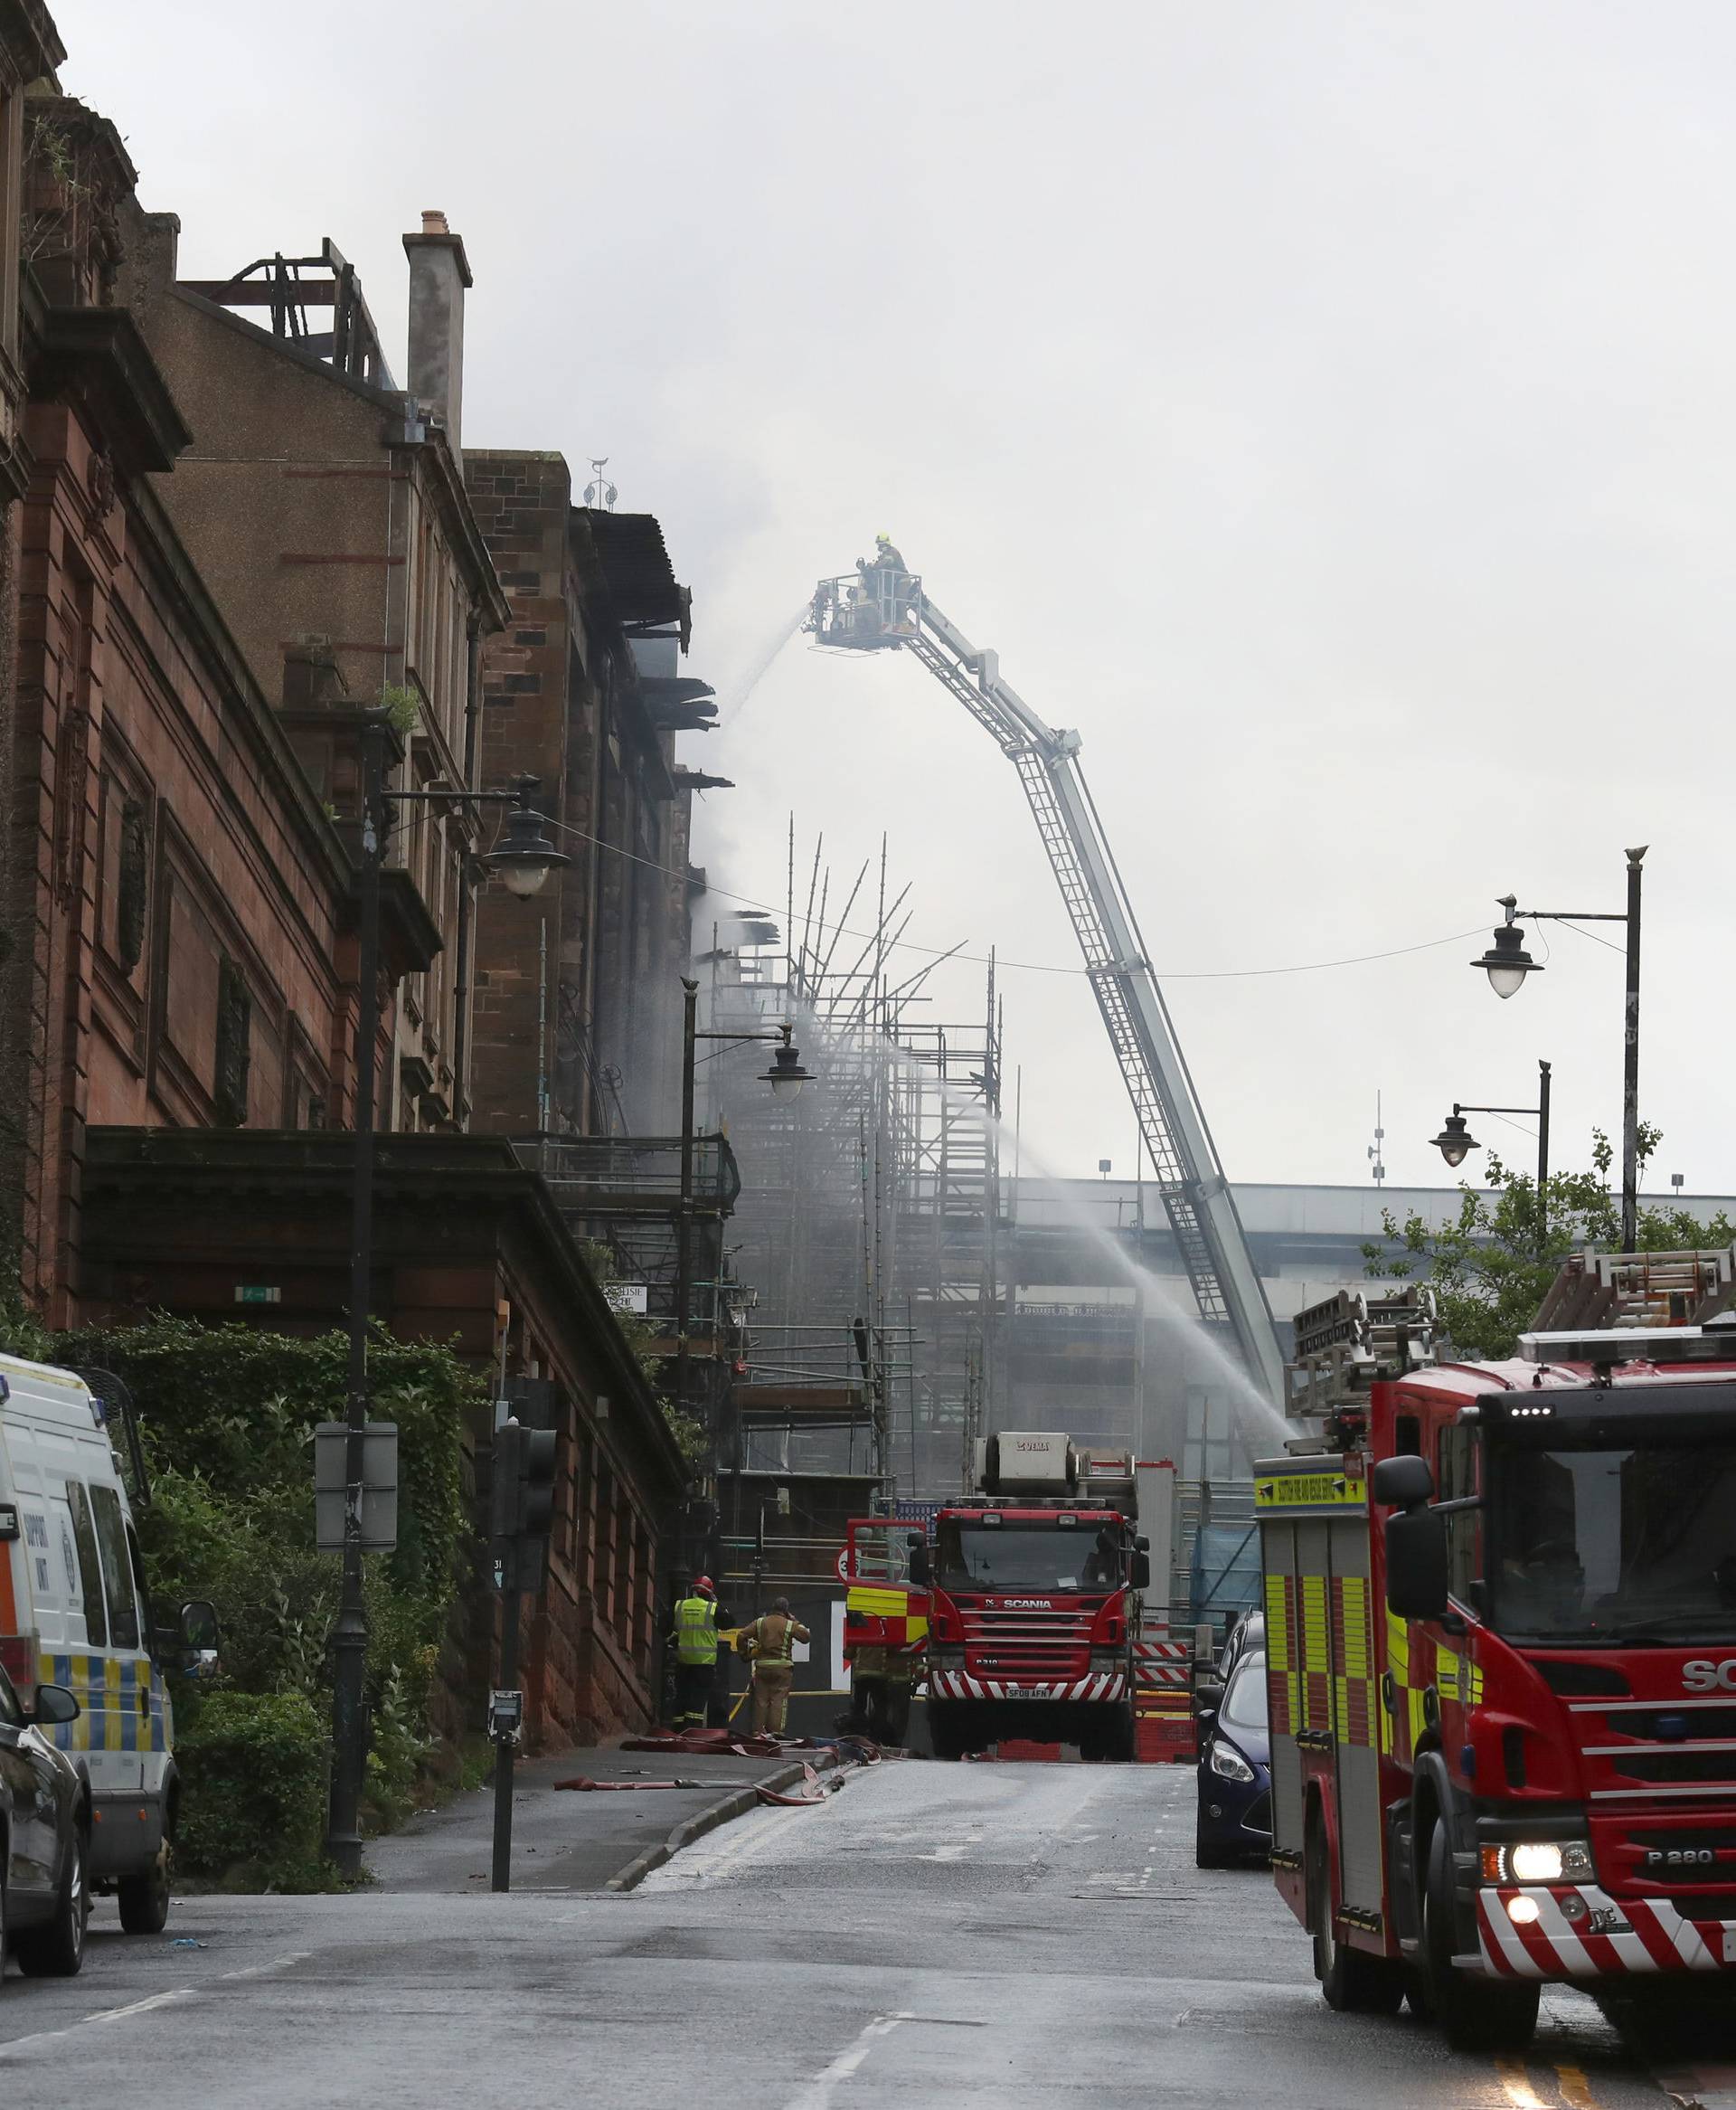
x=74, y=1612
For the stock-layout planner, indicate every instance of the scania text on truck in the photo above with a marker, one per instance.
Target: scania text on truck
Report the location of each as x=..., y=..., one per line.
x=1034, y=1600
x=1501, y=1644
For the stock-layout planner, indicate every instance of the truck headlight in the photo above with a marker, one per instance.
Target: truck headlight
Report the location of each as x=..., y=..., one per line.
x=1228, y=1762
x=1540, y=1860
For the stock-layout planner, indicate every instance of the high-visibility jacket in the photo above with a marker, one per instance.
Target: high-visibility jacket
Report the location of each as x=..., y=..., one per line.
x=775, y=1638
x=696, y=1631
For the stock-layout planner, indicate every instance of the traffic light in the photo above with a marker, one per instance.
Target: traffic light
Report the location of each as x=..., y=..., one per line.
x=535, y=1483
x=523, y=1508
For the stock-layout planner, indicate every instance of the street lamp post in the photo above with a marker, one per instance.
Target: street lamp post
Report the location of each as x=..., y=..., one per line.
x=1508, y=963
x=523, y=858
x=786, y=1076
x=1455, y=1143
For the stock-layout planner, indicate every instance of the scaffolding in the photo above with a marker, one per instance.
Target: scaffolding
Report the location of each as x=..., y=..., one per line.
x=869, y=1227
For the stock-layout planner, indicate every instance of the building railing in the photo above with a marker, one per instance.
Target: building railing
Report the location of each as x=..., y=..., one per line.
x=600, y=1176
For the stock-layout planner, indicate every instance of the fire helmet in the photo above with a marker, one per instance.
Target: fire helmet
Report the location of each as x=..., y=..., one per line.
x=703, y=1585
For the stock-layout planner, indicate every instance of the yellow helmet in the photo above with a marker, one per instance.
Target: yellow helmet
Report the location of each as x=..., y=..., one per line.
x=886, y=538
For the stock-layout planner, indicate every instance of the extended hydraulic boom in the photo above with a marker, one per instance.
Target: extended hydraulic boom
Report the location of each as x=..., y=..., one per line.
x=883, y=606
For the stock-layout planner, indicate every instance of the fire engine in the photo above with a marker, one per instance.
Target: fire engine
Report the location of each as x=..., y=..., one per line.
x=1033, y=1602
x=885, y=1571
x=1501, y=1650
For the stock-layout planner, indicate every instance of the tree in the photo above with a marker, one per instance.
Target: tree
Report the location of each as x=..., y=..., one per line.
x=1492, y=1265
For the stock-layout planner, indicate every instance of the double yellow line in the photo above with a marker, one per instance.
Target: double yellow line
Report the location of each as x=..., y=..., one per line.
x=1516, y=2079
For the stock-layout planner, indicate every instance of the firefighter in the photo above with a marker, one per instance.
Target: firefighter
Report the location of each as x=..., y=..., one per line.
x=774, y=1638
x=1102, y=1568
x=695, y=1645
x=892, y=588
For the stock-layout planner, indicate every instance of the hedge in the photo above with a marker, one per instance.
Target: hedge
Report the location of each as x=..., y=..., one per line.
x=254, y=1770
x=227, y=1416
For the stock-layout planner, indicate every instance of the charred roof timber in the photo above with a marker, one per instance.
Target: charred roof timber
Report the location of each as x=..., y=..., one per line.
x=631, y=556
x=281, y=285
x=679, y=703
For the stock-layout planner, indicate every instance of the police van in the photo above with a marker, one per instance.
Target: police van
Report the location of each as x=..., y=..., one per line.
x=74, y=1611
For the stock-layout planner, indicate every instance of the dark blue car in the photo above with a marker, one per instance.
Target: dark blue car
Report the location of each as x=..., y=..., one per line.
x=1235, y=1810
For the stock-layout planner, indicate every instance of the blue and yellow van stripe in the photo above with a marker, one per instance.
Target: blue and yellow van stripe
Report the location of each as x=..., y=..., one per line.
x=107, y=1689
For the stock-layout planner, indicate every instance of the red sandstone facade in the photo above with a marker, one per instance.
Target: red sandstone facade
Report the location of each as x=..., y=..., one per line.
x=183, y=893
x=178, y=727
x=577, y=1013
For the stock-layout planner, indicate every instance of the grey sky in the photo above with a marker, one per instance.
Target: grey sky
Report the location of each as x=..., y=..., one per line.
x=1327, y=408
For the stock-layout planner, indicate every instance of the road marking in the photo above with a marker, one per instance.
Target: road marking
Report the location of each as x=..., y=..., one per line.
x=1516, y=2082
x=1706, y=2088
x=157, y=2000
x=818, y=2094
x=1576, y=2090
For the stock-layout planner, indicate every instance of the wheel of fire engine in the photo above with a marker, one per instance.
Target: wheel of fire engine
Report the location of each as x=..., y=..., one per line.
x=948, y=1727
x=1122, y=1741
x=1351, y=1979
x=1475, y=2014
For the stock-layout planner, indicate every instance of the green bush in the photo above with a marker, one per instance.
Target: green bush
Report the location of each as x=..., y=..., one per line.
x=227, y=1414
x=253, y=1774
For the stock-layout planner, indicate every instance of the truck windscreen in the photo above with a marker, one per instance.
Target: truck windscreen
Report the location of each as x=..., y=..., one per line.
x=1028, y=1556
x=1611, y=1542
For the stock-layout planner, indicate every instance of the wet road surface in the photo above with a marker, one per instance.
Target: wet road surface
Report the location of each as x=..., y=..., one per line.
x=979, y=1935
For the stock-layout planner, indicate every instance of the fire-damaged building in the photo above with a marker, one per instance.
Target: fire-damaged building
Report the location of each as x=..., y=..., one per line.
x=578, y=1012
x=237, y=542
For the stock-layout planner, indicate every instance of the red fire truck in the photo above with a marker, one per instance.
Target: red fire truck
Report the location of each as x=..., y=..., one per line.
x=1500, y=1656
x=885, y=1572
x=1033, y=1602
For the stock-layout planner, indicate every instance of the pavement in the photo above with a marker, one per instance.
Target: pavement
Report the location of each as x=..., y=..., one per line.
x=563, y=1839
x=996, y=1936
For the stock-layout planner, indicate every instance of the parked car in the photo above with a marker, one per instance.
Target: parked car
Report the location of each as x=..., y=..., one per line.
x=1212, y=1674
x=44, y=1897
x=1245, y=1636
x=1234, y=1821
x=74, y=1613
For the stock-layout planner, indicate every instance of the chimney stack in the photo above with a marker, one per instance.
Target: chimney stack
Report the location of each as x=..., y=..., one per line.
x=439, y=274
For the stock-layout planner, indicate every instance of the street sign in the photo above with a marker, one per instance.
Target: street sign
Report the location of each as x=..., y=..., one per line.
x=379, y=1486
x=257, y=1293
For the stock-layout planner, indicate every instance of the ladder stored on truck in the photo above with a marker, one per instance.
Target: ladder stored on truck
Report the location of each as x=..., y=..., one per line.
x=881, y=606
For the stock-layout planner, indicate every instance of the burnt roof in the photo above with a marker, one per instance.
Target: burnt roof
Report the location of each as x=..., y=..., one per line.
x=641, y=581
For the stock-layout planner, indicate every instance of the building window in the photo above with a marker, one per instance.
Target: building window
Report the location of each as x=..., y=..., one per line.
x=234, y=1058
x=133, y=890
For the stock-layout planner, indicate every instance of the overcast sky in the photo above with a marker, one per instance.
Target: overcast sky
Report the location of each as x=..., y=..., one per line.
x=1327, y=409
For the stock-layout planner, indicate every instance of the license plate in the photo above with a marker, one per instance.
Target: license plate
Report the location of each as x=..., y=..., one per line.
x=1730, y=1944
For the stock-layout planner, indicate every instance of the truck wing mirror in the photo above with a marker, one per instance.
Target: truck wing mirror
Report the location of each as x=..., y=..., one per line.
x=1415, y=1560
x=1403, y=1483
x=1142, y=1544
x=1142, y=1571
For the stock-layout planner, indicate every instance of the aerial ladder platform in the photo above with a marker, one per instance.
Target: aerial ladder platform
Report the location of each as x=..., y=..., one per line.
x=883, y=607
